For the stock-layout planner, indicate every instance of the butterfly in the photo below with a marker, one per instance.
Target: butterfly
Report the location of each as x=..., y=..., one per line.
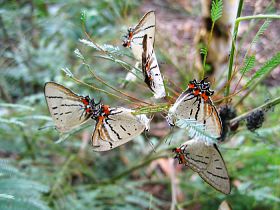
x=68, y=110
x=195, y=104
x=150, y=68
x=134, y=37
x=114, y=126
x=207, y=161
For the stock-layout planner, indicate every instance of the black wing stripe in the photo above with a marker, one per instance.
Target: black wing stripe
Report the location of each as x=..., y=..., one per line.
x=153, y=67
x=199, y=161
x=190, y=99
x=191, y=112
x=112, y=129
x=54, y=97
x=198, y=108
x=122, y=128
x=151, y=26
x=221, y=177
x=70, y=105
x=138, y=37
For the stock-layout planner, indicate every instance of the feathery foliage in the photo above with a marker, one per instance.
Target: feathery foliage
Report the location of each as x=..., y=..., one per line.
x=216, y=10
x=18, y=192
x=42, y=44
x=248, y=65
x=269, y=65
x=261, y=31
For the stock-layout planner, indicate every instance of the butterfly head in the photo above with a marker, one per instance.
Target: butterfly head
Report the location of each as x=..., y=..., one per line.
x=179, y=155
x=128, y=37
x=192, y=84
x=105, y=110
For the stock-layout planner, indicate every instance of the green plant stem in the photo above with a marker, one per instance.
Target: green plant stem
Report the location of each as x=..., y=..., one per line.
x=152, y=109
x=232, y=51
x=110, y=86
x=239, y=19
x=208, y=45
x=262, y=107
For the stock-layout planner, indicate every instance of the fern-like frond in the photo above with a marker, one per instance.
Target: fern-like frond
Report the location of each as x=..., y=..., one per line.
x=110, y=49
x=203, y=51
x=79, y=54
x=196, y=130
x=266, y=68
x=260, y=32
x=249, y=64
x=67, y=72
x=216, y=10
x=18, y=192
x=6, y=169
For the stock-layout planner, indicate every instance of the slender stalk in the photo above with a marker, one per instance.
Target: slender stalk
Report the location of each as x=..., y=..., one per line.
x=232, y=51
x=237, y=21
x=110, y=86
x=152, y=109
x=208, y=45
x=261, y=16
x=262, y=107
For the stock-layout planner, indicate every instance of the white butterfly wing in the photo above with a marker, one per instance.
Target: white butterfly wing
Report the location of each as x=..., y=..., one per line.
x=188, y=106
x=185, y=107
x=208, y=162
x=209, y=117
x=216, y=173
x=66, y=108
x=147, y=25
x=150, y=68
x=121, y=126
x=196, y=154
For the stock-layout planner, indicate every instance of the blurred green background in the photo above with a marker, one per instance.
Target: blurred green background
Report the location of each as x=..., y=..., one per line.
x=38, y=39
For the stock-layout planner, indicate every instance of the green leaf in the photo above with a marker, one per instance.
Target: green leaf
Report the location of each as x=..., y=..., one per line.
x=266, y=68
x=67, y=72
x=262, y=29
x=79, y=54
x=83, y=16
x=216, y=10
x=203, y=51
x=249, y=64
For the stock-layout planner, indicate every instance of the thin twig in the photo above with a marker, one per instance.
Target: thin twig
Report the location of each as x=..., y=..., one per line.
x=262, y=107
x=113, y=88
